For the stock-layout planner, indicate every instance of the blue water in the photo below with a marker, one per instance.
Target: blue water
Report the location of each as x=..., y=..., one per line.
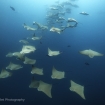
x=89, y=34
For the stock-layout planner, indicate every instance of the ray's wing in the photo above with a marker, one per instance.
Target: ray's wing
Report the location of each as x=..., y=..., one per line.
x=84, y=52
x=9, y=54
x=45, y=88
x=49, y=52
x=29, y=61
x=57, y=74
x=5, y=74
x=34, y=83
x=96, y=53
x=36, y=70
x=77, y=88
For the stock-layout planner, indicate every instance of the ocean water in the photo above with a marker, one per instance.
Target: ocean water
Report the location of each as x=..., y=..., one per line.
x=89, y=34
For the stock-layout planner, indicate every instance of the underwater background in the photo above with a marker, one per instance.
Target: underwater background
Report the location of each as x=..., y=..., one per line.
x=89, y=34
